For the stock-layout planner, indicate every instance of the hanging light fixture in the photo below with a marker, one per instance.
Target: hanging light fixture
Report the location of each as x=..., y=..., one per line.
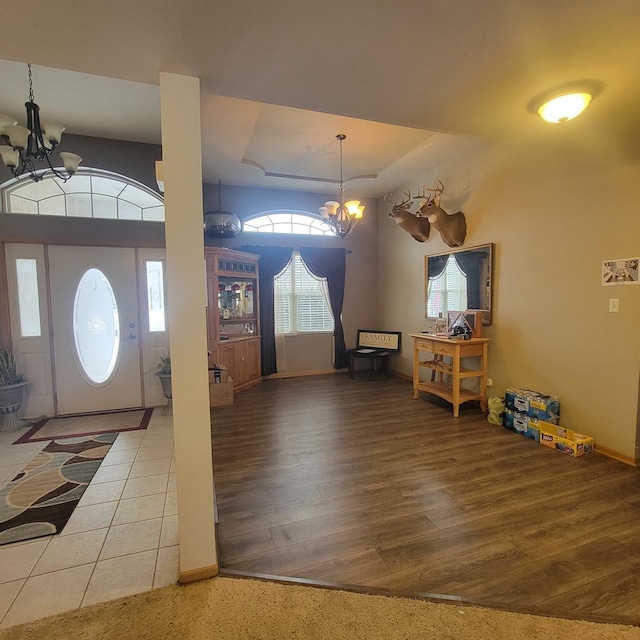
x=219, y=223
x=341, y=216
x=23, y=146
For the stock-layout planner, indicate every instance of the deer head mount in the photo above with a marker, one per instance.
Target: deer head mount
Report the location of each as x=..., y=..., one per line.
x=417, y=227
x=452, y=227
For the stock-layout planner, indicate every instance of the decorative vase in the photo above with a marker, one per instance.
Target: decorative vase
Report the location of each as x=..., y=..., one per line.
x=165, y=381
x=11, y=398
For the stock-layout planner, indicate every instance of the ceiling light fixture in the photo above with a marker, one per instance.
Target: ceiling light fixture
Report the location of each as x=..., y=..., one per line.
x=566, y=101
x=35, y=142
x=341, y=216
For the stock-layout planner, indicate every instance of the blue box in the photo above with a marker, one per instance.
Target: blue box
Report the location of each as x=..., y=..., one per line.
x=533, y=403
x=521, y=423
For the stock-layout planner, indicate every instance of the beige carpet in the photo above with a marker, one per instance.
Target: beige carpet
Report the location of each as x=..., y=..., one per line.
x=230, y=608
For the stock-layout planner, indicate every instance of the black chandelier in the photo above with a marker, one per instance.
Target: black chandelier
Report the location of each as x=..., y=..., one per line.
x=24, y=146
x=341, y=216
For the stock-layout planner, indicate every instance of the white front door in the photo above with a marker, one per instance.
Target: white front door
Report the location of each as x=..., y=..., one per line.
x=95, y=326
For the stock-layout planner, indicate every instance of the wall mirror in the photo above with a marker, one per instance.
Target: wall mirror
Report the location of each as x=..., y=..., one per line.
x=459, y=280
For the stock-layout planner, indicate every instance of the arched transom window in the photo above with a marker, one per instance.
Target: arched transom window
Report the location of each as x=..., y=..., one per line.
x=89, y=194
x=287, y=222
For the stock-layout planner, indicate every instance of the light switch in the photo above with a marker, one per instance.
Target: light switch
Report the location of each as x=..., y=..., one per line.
x=614, y=305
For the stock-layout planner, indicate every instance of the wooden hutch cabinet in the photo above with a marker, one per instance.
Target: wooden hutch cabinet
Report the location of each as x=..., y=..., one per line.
x=233, y=327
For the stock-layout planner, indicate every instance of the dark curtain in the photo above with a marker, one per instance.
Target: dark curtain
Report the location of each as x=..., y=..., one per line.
x=331, y=264
x=436, y=265
x=470, y=263
x=272, y=261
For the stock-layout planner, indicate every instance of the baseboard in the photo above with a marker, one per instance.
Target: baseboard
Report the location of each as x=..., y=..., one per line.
x=610, y=453
x=203, y=573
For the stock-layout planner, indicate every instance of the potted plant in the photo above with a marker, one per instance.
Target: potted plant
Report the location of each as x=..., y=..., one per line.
x=164, y=373
x=12, y=385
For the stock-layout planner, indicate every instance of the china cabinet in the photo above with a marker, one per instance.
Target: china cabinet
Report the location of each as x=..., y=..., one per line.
x=233, y=327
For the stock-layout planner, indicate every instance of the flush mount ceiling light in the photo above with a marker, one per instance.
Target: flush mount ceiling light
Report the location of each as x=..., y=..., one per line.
x=341, y=216
x=23, y=146
x=566, y=101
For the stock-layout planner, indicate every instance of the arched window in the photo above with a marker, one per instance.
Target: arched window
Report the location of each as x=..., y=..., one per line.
x=287, y=222
x=91, y=193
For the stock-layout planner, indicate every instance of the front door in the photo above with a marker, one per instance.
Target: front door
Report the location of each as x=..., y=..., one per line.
x=95, y=328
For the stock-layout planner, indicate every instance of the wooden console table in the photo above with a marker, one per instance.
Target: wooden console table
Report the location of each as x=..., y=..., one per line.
x=454, y=351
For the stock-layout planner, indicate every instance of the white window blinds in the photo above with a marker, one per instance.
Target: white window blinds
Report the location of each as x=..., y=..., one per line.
x=447, y=292
x=301, y=300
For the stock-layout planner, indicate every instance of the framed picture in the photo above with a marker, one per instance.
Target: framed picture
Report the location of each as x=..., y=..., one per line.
x=622, y=271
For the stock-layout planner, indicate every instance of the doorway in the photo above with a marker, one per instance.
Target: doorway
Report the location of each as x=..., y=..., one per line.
x=95, y=327
x=101, y=326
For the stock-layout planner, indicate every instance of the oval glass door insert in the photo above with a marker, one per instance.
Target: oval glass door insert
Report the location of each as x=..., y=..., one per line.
x=96, y=326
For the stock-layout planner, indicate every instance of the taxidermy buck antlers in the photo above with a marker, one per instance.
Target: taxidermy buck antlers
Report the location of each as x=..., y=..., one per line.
x=452, y=227
x=418, y=228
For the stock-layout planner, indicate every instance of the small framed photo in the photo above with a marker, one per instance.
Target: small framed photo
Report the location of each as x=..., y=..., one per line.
x=621, y=271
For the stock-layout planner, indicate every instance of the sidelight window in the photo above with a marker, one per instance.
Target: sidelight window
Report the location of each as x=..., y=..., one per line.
x=155, y=295
x=28, y=298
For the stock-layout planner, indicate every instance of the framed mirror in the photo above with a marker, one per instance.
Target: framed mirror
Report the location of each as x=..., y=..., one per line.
x=459, y=280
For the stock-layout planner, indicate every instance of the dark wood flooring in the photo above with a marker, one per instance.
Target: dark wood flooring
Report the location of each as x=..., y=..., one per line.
x=354, y=482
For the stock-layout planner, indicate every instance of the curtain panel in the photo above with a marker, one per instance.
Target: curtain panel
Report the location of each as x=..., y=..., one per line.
x=272, y=261
x=331, y=264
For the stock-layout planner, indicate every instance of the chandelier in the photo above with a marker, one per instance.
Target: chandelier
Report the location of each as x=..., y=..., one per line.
x=341, y=216
x=23, y=146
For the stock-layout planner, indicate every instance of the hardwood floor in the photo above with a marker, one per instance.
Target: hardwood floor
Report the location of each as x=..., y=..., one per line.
x=354, y=482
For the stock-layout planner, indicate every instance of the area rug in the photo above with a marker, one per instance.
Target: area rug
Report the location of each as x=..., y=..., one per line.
x=41, y=498
x=87, y=425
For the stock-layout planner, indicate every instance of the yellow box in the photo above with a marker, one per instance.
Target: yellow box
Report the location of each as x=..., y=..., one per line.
x=564, y=440
x=221, y=393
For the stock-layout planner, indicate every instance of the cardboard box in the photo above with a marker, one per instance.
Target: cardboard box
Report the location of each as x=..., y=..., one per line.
x=218, y=373
x=221, y=393
x=564, y=440
x=533, y=403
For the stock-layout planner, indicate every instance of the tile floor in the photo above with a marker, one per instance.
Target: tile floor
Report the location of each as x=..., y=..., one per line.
x=121, y=539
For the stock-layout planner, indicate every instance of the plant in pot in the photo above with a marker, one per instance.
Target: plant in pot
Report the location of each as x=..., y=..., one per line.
x=164, y=374
x=12, y=386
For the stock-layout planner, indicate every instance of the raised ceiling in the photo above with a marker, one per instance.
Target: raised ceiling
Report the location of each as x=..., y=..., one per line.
x=409, y=82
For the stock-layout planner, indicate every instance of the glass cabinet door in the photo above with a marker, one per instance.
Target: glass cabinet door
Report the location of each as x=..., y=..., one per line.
x=236, y=305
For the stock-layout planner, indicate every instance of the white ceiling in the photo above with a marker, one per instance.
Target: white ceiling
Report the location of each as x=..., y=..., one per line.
x=408, y=81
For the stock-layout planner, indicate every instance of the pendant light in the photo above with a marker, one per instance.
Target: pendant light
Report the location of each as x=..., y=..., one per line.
x=219, y=223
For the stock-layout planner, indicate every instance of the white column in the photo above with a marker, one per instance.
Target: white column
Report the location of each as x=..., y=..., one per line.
x=186, y=303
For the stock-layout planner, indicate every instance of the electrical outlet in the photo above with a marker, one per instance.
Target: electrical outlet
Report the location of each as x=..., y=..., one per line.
x=614, y=305
x=489, y=382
